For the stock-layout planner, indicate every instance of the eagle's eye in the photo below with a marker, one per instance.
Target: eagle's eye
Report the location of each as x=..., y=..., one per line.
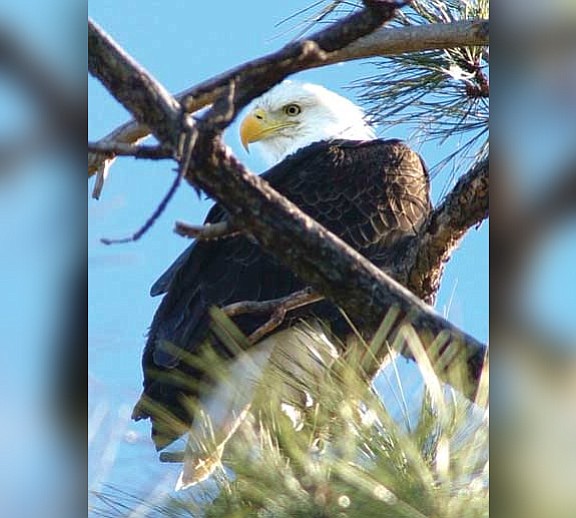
x=292, y=110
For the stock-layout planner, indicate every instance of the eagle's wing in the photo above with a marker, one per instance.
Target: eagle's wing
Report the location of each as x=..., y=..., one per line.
x=215, y=214
x=368, y=193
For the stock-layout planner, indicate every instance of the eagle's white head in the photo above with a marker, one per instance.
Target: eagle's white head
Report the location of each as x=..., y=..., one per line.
x=293, y=115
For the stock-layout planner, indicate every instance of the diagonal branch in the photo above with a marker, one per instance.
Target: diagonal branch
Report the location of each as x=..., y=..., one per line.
x=255, y=77
x=420, y=262
x=525, y=222
x=150, y=104
x=324, y=261
x=321, y=259
x=57, y=101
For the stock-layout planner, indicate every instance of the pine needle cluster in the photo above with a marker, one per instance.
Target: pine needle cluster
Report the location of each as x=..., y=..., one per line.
x=347, y=457
x=341, y=453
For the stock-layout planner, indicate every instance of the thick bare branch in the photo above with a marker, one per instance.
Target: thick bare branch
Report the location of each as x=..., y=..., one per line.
x=421, y=263
x=524, y=223
x=255, y=77
x=118, y=72
x=317, y=256
x=389, y=41
x=382, y=42
x=321, y=259
x=260, y=74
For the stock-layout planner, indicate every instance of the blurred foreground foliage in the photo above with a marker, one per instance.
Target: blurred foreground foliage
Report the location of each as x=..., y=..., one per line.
x=341, y=453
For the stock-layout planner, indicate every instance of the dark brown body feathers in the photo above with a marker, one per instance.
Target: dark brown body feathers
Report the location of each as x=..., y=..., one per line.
x=371, y=194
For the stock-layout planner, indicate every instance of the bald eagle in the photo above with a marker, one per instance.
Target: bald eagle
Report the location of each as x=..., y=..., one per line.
x=372, y=193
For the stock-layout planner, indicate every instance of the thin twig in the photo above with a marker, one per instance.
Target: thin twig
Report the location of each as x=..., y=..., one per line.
x=172, y=456
x=187, y=141
x=206, y=232
x=276, y=307
x=150, y=221
x=288, y=303
x=111, y=149
x=275, y=320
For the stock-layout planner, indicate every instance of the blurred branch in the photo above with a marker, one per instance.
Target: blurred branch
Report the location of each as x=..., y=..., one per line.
x=63, y=116
x=523, y=225
x=558, y=202
x=176, y=457
x=60, y=114
x=15, y=150
x=382, y=42
x=321, y=259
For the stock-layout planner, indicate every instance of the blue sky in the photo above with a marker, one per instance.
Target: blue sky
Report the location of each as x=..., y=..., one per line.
x=182, y=43
x=38, y=234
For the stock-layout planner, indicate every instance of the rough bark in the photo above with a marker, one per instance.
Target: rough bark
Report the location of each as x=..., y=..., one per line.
x=324, y=261
x=424, y=257
x=389, y=41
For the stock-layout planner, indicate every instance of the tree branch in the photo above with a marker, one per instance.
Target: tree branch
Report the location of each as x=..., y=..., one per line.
x=382, y=42
x=57, y=100
x=391, y=41
x=15, y=150
x=421, y=262
x=293, y=301
x=323, y=260
x=277, y=308
x=119, y=72
x=113, y=149
x=318, y=257
x=524, y=223
x=205, y=232
x=150, y=104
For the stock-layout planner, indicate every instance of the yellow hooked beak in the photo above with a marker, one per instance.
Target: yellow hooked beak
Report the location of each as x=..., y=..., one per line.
x=258, y=125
